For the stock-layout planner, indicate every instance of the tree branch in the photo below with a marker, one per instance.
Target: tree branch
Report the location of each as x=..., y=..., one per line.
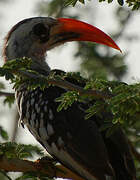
x=72, y=87
x=2, y=93
x=39, y=167
x=80, y=90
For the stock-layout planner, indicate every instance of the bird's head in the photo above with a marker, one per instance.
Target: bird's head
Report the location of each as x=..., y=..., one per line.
x=34, y=36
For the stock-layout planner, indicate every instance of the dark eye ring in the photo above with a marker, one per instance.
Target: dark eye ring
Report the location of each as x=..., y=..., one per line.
x=42, y=32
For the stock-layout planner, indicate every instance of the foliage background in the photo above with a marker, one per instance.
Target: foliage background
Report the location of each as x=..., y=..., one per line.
x=92, y=61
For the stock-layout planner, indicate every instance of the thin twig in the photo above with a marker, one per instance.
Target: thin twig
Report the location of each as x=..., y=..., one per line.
x=15, y=126
x=2, y=93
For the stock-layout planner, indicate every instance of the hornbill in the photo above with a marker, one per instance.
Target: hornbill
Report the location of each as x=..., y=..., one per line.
x=75, y=142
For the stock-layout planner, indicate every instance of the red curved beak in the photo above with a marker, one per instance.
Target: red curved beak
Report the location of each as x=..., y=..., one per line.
x=81, y=31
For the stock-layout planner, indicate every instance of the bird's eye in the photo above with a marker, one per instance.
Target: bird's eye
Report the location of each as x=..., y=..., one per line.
x=42, y=32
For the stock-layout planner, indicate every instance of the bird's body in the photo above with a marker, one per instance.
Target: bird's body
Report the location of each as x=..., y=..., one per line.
x=64, y=134
x=75, y=142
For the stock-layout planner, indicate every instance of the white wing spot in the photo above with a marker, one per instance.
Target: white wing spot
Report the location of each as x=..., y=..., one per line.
x=32, y=94
x=40, y=96
x=32, y=101
x=43, y=133
x=27, y=115
x=60, y=142
x=51, y=114
x=38, y=109
x=54, y=148
x=45, y=108
x=36, y=106
x=41, y=115
x=36, y=123
x=33, y=116
x=27, y=105
x=50, y=129
x=42, y=103
x=36, y=92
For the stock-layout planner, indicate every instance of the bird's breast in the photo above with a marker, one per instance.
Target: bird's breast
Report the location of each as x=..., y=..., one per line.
x=37, y=114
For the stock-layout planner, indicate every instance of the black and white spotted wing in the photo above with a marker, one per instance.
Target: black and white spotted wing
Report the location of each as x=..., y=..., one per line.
x=66, y=135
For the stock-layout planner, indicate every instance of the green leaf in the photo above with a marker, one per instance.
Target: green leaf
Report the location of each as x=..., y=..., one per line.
x=70, y=2
x=67, y=99
x=9, y=100
x=34, y=176
x=115, y=120
x=95, y=109
x=82, y=1
x=109, y=1
x=5, y=174
x=73, y=2
x=3, y=133
x=29, y=175
x=2, y=86
x=21, y=151
x=111, y=130
x=105, y=126
x=121, y=2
